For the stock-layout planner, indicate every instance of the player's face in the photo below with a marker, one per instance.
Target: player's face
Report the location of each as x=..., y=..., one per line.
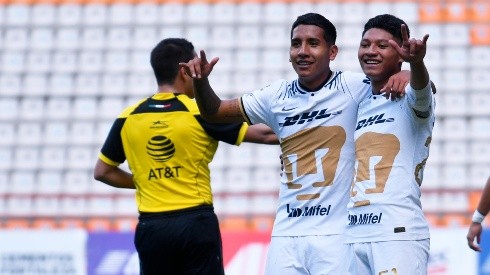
x=378, y=59
x=310, y=55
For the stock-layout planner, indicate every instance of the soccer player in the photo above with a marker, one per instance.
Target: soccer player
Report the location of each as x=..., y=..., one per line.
x=314, y=117
x=480, y=213
x=387, y=232
x=168, y=147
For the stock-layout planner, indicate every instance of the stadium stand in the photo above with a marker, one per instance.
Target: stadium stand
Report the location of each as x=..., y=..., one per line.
x=67, y=68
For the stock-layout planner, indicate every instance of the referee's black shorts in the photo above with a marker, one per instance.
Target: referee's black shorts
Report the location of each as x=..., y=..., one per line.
x=186, y=241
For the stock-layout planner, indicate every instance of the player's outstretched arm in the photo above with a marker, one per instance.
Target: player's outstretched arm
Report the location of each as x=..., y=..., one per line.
x=212, y=108
x=482, y=210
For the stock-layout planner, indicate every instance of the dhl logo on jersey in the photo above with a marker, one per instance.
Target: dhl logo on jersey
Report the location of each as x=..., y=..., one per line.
x=316, y=210
x=308, y=117
x=376, y=119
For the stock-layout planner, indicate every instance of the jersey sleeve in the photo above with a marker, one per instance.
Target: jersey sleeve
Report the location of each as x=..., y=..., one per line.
x=420, y=101
x=256, y=106
x=112, y=151
x=231, y=133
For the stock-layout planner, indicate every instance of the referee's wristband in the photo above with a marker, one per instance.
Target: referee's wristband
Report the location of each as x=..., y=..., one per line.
x=477, y=217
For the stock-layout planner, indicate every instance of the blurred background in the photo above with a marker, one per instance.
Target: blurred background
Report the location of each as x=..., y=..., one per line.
x=67, y=68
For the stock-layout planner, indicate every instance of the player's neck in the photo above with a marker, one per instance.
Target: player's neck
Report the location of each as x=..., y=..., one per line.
x=376, y=86
x=165, y=88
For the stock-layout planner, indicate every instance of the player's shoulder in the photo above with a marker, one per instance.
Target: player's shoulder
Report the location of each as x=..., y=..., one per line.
x=276, y=86
x=351, y=77
x=130, y=108
x=272, y=90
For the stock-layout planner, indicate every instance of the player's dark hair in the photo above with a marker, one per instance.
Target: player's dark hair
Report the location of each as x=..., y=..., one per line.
x=167, y=55
x=388, y=23
x=329, y=31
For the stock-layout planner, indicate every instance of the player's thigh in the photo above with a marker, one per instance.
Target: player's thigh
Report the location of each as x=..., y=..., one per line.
x=203, y=248
x=327, y=255
x=360, y=258
x=319, y=255
x=401, y=257
x=283, y=257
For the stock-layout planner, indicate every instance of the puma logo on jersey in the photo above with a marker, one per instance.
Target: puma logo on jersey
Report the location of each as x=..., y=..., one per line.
x=308, y=117
x=368, y=218
x=316, y=210
x=376, y=119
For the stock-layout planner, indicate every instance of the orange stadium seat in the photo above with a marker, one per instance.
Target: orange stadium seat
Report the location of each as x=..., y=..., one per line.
x=480, y=34
x=125, y=224
x=433, y=219
x=17, y=224
x=455, y=220
x=72, y=223
x=99, y=224
x=262, y=223
x=44, y=223
x=431, y=12
x=456, y=11
x=234, y=223
x=479, y=11
x=473, y=200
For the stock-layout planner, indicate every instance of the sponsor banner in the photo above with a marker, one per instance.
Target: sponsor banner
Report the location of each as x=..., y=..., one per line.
x=450, y=254
x=484, y=256
x=50, y=252
x=245, y=253
x=112, y=254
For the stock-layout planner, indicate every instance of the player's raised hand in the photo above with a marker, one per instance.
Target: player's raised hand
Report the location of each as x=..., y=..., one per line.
x=411, y=50
x=199, y=67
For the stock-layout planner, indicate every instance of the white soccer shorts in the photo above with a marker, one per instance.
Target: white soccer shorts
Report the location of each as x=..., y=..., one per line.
x=389, y=258
x=319, y=255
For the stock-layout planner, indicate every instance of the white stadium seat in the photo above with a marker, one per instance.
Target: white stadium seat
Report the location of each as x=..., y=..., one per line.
x=172, y=13
x=67, y=70
x=29, y=133
x=94, y=14
x=17, y=14
x=197, y=13
x=223, y=13
x=146, y=13
x=43, y=14
x=69, y=14
x=69, y=38
x=42, y=39
x=120, y=14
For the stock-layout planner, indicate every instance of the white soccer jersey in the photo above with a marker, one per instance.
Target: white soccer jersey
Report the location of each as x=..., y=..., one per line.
x=316, y=130
x=392, y=147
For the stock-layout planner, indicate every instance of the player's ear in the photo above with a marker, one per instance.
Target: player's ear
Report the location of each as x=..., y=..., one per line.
x=333, y=51
x=182, y=73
